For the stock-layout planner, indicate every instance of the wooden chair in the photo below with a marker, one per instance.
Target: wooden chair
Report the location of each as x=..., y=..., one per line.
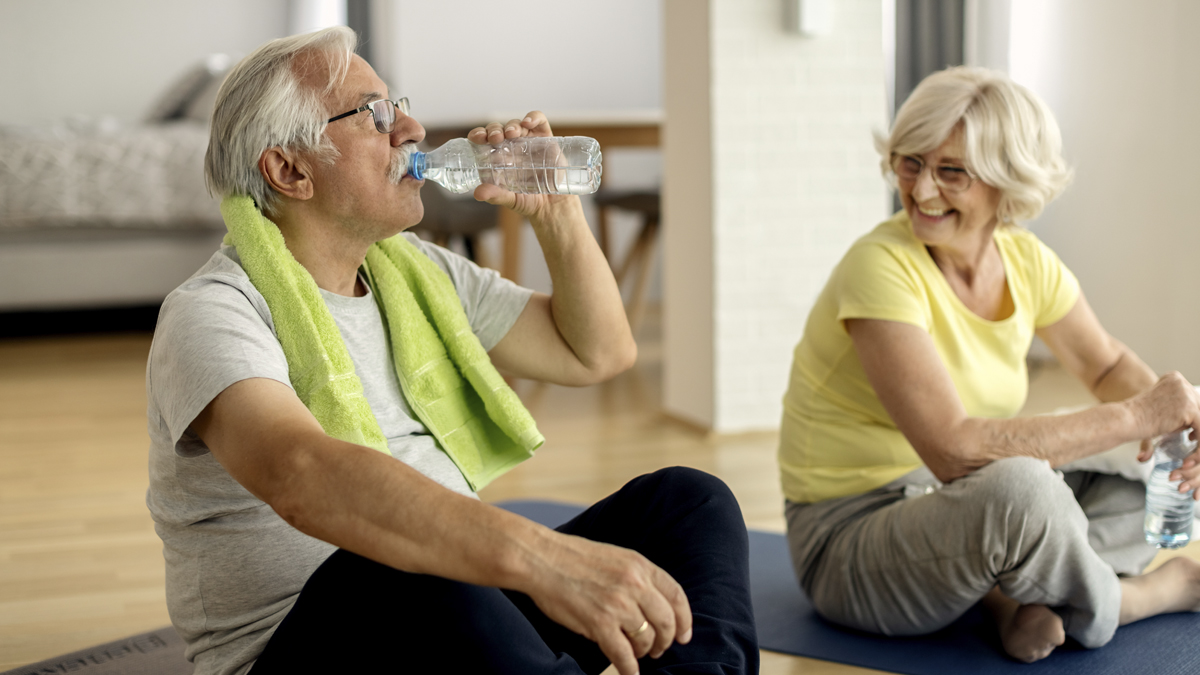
x=449, y=216
x=640, y=259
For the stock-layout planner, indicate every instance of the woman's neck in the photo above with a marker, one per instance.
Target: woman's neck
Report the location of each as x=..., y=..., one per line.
x=965, y=258
x=976, y=274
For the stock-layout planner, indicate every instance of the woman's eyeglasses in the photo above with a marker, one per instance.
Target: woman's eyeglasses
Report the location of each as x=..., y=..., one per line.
x=948, y=177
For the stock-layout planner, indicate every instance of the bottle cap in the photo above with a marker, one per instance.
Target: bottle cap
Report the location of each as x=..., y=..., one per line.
x=416, y=165
x=1176, y=445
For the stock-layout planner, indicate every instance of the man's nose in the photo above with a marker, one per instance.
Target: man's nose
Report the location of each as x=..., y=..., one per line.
x=406, y=129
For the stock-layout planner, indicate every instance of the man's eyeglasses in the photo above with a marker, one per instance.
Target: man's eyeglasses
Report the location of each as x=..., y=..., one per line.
x=383, y=111
x=947, y=177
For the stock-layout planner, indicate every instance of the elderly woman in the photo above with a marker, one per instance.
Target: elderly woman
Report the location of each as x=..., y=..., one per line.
x=912, y=491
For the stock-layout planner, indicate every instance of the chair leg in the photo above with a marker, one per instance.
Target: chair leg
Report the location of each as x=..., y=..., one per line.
x=511, y=225
x=634, y=255
x=646, y=245
x=602, y=234
x=483, y=257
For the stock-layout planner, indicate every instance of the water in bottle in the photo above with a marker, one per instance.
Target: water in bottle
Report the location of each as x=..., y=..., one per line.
x=1169, y=512
x=568, y=165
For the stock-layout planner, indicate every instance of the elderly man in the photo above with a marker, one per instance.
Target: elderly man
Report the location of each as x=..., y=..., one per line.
x=324, y=402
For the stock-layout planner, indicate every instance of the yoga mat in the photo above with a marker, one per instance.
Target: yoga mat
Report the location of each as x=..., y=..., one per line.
x=158, y=652
x=1163, y=645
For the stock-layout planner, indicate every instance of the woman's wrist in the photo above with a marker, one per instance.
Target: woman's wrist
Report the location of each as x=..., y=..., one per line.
x=1134, y=422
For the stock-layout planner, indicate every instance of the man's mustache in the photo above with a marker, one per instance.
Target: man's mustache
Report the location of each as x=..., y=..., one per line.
x=400, y=160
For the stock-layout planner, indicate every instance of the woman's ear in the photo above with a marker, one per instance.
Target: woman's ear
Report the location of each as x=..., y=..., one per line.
x=285, y=173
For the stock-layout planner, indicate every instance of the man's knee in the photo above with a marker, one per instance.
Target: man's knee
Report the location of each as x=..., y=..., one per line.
x=686, y=485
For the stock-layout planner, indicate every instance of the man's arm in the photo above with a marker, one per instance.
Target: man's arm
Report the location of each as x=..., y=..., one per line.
x=364, y=501
x=580, y=334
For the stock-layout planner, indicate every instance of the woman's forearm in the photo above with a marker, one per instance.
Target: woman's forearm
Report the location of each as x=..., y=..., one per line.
x=1058, y=439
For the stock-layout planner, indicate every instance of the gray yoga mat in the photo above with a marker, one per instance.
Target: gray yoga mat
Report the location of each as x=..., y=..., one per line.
x=158, y=652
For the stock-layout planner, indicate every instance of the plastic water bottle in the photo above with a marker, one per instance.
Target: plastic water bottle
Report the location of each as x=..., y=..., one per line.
x=553, y=165
x=1169, y=512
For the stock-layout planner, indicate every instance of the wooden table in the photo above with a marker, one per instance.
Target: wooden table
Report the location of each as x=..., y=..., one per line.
x=639, y=130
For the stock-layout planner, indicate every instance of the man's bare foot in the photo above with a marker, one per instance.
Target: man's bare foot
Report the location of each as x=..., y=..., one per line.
x=1173, y=587
x=1028, y=632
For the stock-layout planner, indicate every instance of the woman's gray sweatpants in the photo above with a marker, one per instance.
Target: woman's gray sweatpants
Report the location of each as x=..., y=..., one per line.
x=912, y=556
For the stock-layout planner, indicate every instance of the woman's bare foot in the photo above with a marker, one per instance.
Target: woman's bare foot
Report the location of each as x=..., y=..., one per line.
x=1173, y=587
x=1028, y=632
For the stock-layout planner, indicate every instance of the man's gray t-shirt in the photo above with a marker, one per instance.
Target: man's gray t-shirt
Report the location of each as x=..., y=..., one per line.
x=234, y=567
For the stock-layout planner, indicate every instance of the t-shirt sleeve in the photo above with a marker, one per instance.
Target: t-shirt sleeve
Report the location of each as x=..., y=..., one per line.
x=492, y=303
x=873, y=282
x=209, y=336
x=1057, y=288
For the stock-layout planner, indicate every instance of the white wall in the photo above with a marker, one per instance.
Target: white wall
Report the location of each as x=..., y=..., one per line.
x=66, y=58
x=770, y=177
x=463, y=61
x=1124, y=82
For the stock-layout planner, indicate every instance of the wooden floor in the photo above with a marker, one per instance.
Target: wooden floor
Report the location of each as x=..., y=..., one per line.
x=80, y=563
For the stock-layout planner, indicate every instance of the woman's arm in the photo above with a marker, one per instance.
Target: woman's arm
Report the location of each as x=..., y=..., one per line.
x=907, y=374
x=1111, y=371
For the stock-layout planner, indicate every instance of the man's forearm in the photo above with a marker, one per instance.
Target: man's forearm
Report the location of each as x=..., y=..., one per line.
x=361, y=500
x=586, y=302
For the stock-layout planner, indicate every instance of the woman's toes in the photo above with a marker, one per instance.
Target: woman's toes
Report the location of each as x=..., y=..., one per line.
x=1033, y=633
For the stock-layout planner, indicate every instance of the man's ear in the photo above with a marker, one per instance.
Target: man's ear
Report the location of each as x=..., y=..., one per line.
x=287, y=174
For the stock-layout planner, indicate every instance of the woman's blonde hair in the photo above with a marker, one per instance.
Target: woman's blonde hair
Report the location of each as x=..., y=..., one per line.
x=1012, y=141
x=265, y=102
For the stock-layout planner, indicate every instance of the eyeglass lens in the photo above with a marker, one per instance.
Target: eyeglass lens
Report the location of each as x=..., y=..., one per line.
x=954, y=178
x=384, y=112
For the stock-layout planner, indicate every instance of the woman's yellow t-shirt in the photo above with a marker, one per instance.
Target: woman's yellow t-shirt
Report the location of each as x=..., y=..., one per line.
x=836, y=438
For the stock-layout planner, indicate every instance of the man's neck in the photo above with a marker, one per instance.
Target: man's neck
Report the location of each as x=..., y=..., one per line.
x=329, y=255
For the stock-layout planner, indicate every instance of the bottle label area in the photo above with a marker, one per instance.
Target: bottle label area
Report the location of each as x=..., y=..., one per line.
x=1169, y=513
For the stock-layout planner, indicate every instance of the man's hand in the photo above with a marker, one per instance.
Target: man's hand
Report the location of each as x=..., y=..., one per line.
x=607, y=594
x=532, y=206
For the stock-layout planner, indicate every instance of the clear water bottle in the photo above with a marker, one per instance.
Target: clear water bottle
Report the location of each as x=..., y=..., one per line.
x=533, y=165
x=1169, y=512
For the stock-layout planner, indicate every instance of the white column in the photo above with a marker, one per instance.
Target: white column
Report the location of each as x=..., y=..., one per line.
x=769, y=175
x=306, y=16
x=687, y=203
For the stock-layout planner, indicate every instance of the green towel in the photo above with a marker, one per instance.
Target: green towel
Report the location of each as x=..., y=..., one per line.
x=445, y=375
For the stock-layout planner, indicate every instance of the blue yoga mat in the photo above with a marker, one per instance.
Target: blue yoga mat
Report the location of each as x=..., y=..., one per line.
x=1163, y=645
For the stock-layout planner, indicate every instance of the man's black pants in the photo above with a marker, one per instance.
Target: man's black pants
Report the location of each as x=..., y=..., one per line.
x=356, y=615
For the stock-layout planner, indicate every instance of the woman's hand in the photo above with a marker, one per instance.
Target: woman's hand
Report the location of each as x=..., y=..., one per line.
x=1170, y=405
x=535, y=207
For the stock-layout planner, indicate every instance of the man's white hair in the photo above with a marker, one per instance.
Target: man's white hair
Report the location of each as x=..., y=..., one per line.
x=1011, y=138
x=265, y=102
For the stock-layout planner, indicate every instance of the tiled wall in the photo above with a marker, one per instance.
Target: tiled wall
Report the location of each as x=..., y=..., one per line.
x=795, y=180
